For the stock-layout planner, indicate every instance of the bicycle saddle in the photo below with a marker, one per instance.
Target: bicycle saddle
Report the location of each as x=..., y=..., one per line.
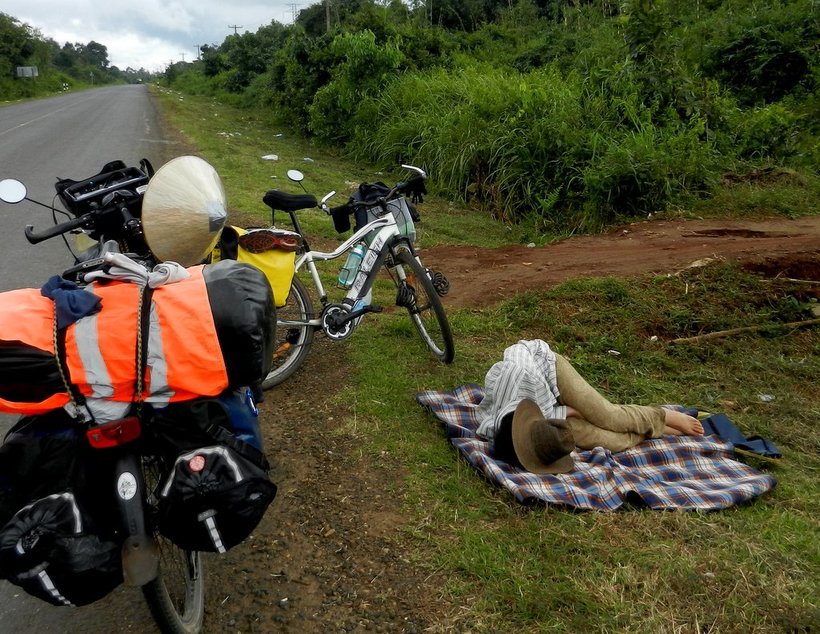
x=283, y=201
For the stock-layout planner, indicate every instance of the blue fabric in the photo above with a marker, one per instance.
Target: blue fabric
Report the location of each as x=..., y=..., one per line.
x=719, y=425
x=673, y=472
x=70, y=301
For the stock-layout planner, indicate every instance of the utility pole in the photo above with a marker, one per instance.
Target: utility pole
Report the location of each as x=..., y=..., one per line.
x=327, y=15
x=183, y=57
x=196, y=48
x=235, y=28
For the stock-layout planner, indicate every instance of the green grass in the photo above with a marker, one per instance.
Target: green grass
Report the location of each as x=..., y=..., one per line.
x=234, y=141
x=510, y=568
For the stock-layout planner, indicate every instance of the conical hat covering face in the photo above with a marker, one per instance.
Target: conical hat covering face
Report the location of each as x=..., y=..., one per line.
x=183, y=210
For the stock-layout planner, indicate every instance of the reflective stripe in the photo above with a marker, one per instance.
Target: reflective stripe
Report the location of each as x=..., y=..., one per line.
x=157, y=389
x=49, y=587
x=91, y=358
x=213, y=531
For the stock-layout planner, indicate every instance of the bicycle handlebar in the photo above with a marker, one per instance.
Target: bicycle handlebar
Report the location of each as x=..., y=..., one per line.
x=58, y=229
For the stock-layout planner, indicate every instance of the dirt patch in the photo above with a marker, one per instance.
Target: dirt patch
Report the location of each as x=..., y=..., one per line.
x=329, y=555
x=485, y=276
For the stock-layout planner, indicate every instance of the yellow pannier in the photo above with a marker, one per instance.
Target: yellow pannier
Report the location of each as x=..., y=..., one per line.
x=272, y=251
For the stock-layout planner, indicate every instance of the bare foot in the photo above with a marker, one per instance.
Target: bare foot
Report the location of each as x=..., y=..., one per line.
x=671, y=431
x=683, y=424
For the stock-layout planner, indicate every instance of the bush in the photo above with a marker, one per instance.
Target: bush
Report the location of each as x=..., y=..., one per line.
x=539, y=143
x=770, y=132
x=362, y=68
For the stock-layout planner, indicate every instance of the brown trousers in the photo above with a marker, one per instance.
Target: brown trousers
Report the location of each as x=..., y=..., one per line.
x=604, y=424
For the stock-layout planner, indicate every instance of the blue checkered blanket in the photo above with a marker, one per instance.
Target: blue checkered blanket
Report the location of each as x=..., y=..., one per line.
x=672, y=472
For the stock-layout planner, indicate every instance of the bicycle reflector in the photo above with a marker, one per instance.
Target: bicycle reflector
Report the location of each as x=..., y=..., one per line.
x=115, y=433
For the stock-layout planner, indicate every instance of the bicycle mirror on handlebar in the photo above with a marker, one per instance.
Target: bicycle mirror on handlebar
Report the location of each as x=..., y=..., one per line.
x=12, y=191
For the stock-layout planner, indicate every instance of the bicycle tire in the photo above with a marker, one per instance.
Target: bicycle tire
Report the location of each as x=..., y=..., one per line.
x=292, y=342
x=176, y=598
x=426, y=312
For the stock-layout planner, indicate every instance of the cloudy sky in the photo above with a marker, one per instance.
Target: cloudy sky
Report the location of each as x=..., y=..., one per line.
x=149, y=33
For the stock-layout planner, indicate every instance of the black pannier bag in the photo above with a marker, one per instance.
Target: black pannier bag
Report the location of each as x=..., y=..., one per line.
x=245, y=318
x=217, y=489
x=48, y=550
x=213, y=499
x=52, y=507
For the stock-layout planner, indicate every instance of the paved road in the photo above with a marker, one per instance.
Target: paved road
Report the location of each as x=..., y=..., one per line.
x=69, y=136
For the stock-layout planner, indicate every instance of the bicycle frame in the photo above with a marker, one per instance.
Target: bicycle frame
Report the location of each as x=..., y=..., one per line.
x=387, y=231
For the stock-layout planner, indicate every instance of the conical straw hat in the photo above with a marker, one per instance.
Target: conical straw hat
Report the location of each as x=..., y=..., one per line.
x=183, y=210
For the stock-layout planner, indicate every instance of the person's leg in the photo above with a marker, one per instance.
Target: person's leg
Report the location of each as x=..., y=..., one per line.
x=588, y=436
x=645, y=421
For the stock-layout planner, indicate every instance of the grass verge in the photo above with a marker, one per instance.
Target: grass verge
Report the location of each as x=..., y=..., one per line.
x=533, y=569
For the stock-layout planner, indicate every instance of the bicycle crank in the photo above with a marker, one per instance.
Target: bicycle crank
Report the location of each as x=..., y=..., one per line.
x=338, y=321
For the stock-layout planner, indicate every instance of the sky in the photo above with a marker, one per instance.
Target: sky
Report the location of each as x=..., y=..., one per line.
x=149, y=34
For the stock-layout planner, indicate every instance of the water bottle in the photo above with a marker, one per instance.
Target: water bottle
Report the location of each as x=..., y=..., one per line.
x=243, y=414
x=354, y=260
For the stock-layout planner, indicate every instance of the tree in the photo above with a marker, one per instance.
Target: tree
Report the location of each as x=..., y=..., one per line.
x=95, y=54
x=17, y=42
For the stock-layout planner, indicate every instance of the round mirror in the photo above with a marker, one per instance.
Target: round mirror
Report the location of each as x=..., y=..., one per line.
x=296, y=175
x=183, y=210
x=12, y=191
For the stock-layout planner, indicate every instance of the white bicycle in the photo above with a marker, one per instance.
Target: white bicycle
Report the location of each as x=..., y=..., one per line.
x=384, y=237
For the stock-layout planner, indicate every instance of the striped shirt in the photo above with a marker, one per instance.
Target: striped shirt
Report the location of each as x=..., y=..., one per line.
x=527, y=371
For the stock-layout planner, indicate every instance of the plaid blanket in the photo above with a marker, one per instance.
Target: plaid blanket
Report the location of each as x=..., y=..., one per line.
x=672, y=472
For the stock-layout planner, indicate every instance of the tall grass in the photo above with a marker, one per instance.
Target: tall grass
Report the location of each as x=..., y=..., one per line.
x=576, y=152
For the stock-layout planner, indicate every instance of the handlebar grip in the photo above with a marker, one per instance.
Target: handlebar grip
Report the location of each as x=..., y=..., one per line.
x=414, y=182
x=56, y=230
x=343, y=210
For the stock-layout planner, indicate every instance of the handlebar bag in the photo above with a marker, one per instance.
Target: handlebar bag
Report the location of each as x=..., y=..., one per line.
x=80, y=197
x=405, y=213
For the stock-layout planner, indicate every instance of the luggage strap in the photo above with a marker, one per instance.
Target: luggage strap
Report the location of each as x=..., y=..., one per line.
x=81, y=413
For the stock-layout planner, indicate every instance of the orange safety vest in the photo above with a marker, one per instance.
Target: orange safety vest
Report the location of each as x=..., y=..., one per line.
x=184, y=360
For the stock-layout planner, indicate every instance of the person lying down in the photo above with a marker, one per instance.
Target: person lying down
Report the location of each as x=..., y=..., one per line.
x=537, y=409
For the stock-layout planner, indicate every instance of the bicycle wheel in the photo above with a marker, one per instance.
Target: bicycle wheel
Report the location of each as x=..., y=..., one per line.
x=293, y=336
x=176, y=598
x=417, y=294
